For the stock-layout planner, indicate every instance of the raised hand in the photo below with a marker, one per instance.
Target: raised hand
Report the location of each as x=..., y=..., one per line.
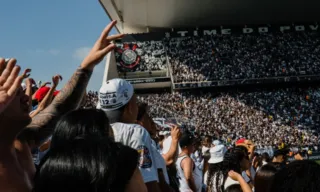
x=10, y=81
x=175, y=133
x=45, y=84
x=56, y=79
x=101, y=48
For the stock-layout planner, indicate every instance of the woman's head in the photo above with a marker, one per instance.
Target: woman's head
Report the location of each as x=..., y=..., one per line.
x=82, y=157
x=243, y=157
x=84, y=164
x=207, y=141
x=298, y=176
x=187, y=142
x=218, y=172
x=264, y=177
x=231, y=162
x=80, y=123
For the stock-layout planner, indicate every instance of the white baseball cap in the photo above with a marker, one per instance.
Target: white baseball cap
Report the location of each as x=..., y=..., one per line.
x=114, y=94
x=217, y=153
x=216, y=142
x=24, y=86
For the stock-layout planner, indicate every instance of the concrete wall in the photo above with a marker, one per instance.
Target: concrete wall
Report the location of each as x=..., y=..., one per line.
x=110, y=70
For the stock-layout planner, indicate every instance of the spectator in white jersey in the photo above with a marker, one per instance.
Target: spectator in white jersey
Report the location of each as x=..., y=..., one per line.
x=117, y=99
x=147, y=122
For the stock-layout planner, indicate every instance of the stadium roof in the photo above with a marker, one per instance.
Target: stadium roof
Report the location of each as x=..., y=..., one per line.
x=136, y=16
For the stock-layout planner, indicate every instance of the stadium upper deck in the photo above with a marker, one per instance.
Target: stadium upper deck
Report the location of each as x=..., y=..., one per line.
x=137, y=16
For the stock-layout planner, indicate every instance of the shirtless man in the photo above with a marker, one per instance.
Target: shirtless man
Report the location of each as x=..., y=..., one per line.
x=19, y=133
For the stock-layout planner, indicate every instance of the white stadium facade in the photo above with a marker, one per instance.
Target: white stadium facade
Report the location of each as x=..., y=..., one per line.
x=148, y=22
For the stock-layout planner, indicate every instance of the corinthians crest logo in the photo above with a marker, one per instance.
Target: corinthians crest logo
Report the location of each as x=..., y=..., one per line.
x=127, y=56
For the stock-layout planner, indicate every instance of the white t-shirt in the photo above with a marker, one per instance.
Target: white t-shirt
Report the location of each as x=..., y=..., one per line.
x=159, y=161
x=230, y=182
x=137, y=137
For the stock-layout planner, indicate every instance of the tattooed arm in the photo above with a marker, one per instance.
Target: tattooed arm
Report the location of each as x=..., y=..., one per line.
x=68, y=99
x=71, y=95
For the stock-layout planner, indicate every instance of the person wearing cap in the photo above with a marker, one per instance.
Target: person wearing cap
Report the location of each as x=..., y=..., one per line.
x=45, y=95
x=147, y=122
x=189, y=176
x=216, y=142
x=216, y=158
x=247, y=144
x=281, y=156
x=118, y=101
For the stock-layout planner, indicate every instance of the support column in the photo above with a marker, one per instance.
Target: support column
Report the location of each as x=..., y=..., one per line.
x=110, y=70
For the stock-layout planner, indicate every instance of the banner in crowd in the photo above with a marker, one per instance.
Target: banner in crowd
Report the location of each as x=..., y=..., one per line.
x=127, y=56
x=149, y=80
x=245, y=81
x=313, y=157
x=225, y=30
x=168, y=123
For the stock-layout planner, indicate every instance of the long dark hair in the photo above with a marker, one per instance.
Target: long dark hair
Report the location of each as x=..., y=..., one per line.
x=298, y=176
x=85, y=164
x=82, y=157
x=78, y=123
x=264, y=177
x=215, y=177
x=218, y=173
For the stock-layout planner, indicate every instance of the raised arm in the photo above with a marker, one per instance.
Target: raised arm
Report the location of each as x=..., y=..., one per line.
x=28, y=91
x=172, y=154
x=49, y=96
x=70, y=96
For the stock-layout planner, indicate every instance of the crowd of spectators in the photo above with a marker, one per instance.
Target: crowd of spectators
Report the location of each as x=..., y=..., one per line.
x=91, y=100
x=228, y=57
x=243, y=56
x=109, y=141
x=266, y=117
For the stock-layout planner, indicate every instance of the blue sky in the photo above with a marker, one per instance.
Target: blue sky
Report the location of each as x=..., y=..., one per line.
x=52, y=36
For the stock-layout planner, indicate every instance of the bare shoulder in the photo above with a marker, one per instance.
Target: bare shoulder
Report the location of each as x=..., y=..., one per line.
x=186, y=161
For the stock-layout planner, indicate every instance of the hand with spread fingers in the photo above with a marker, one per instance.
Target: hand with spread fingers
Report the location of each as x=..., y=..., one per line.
x=10, y=81
x=56, y=79
x=101, y=48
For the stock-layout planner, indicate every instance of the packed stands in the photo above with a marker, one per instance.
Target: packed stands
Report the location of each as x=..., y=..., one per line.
x=265, y=117
x=244, y=56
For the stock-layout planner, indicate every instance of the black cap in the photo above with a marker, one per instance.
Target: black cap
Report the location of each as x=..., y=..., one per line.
x=186, y=139
x=283, y=152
